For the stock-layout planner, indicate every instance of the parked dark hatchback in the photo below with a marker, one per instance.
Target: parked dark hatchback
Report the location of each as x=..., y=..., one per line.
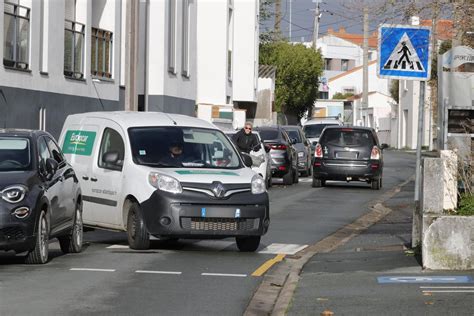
x=283, y=153
x=40, y=197
x=348, y=154
x=303, y=149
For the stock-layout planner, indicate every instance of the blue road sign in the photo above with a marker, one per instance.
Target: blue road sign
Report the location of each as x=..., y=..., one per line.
x=426, y=279
x=404, y=52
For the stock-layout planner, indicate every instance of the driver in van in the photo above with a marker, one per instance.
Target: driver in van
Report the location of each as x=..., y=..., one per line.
x=174, y=156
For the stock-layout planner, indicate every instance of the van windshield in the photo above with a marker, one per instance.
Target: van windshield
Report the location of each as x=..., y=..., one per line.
x=14, y=154
x=314, y=130
x=181, y=147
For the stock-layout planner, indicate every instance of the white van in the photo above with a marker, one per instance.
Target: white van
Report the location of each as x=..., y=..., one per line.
x=165, y=175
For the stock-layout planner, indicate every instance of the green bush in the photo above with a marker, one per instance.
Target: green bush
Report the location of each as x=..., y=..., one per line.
x=466, y=205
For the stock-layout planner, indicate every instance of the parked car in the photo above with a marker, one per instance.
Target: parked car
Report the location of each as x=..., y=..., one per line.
x=165, y=175
x=40, y=196
x=261, y=160
x=303, y=149
x=282, y=152
x=348, y=154
x=314, y=127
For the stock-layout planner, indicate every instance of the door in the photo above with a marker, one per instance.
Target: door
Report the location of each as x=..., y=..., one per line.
x=106, y=178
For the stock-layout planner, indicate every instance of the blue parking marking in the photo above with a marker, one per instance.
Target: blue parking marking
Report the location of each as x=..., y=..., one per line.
x=425, y=279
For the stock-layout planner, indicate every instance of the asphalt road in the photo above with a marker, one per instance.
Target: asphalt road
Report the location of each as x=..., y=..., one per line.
x=187, y=277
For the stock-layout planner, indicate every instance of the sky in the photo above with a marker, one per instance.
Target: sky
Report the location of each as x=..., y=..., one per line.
x=339, y=13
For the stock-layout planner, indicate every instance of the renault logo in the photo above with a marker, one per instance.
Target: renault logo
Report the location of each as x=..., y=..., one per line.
x=218, y=189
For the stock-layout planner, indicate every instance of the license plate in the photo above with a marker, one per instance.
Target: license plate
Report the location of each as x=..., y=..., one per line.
x=347, y=154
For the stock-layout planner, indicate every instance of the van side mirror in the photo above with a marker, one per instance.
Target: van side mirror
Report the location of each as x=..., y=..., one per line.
x=247, y=159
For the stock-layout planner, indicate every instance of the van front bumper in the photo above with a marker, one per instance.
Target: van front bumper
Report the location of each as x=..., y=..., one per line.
x=193, y=214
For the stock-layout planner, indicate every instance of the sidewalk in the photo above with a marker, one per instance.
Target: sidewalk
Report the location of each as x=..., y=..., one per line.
x=374, y=274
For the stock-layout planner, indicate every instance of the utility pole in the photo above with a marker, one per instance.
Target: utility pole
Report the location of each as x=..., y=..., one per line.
x=365, y=63
x=131, y=52
x=289, y=32
x=317, y=16
x=277, y=17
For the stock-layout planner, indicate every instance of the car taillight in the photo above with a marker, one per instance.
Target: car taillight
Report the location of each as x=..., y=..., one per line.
x=318, y=151
x=375, y=153
x=278, y=146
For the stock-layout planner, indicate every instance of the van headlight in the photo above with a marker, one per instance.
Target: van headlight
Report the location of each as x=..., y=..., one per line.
x=164, y=183
x=258, y=185
x=14, y=194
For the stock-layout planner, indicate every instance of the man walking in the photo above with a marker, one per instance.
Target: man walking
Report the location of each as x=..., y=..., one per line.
x=244, y=139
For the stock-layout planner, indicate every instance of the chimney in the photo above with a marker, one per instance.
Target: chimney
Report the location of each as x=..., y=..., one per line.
x=342, y=30
x=330, y=30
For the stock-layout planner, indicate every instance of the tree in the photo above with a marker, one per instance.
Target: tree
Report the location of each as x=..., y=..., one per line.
x=394, y=90
x=342, y=96
x=297, y=76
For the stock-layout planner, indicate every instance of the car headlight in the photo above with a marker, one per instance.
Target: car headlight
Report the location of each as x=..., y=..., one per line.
x=14, y=193
x=164, y=183
x=258, y=185
x=301, y=154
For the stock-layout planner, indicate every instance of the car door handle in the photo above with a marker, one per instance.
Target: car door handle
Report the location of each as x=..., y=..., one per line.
x=93, y=179
x=85, y=178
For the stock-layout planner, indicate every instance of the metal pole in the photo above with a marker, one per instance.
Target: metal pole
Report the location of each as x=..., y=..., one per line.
x=365, y=61
x=290, y=22
x=131, y=47
x=316, y=25
x=417, y=216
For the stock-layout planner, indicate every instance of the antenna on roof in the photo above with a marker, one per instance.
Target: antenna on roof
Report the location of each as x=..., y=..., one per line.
x=174, y=122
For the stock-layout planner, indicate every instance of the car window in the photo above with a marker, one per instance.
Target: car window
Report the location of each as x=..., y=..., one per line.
x=112, y=142
x=348, y=138
x=43, y=150
x=314, y=130
x=55, y=151
x=14, y=154
x=294, y=134
x=268, y=134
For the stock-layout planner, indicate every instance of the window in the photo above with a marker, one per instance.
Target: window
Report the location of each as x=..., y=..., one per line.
x=344, y=64
x=323, y=95
x=43, y=154
x=172, y=36
x=186, y=31
x=230, y=38
x=74, y=34
x=16, y=36
x=101, y=53
x=327, y=63
x=55, y=151
x=112, y=143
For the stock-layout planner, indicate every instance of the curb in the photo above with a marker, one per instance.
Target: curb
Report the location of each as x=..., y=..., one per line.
x=274, y=294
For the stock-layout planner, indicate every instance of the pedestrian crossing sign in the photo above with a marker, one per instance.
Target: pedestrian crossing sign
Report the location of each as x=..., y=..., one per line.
x=404, y=52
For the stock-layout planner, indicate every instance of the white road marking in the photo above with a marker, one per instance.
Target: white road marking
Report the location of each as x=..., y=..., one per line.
x=306, y=180
x=118, y=247
x=446, y=287
x=286, y=249
x=89, y=269
x=225, y=274
x=158, y=272
x=449, y=291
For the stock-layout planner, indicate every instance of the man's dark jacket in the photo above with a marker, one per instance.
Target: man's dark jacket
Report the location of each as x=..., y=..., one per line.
x=245, y=142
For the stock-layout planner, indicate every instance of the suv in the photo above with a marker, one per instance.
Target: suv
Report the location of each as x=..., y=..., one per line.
x=348, y=154
x=40, y=196
x=283, y=153
x=302, y=147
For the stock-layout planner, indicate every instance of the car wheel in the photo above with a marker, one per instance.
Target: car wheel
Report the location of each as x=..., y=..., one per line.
x=72, y=243
x=288, y=177
x=296, y=176
x=316, y=183
x=248, y=244
x=375, y=184
x=138, y=237
x=39, y=254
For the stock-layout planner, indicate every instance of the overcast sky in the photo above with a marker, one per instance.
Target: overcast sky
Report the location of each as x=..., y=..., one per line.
x=339, y=13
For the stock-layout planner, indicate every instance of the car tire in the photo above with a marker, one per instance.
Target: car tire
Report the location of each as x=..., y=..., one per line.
x=248, y=244
x=316, y=183
x=137, y=235
x=72, y=243
x=376, y=184
x=288, y=178
x=39, y=254
x=296, y=176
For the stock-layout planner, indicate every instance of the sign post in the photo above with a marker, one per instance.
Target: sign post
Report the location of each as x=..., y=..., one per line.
x=405, y=53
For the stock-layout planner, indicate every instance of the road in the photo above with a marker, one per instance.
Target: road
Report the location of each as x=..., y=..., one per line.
x=185, y=277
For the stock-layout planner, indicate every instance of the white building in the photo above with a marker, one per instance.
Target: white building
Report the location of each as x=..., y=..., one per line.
x=59, y=57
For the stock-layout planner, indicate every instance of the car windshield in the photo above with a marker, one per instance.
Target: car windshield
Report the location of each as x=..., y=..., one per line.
x=269, y=134
x=179, y=147
x=294, y=135
x=14, y=154
x=314, y=130
x=347, y=138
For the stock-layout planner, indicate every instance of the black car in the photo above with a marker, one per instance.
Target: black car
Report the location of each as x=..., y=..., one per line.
x=348, y=154
x=282, y=152
x=40, y=197
x=303, y=149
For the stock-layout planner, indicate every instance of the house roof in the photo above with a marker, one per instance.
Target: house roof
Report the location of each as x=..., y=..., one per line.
x=357, y=39
x=351, y=71
x=444, y=28
x=266, y=71
x=359, y=96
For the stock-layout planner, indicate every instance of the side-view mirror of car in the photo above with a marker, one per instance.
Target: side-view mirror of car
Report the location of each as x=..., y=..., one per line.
x=293, y=141
x=51, y=166
x=384, y=146
x=247, y=159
